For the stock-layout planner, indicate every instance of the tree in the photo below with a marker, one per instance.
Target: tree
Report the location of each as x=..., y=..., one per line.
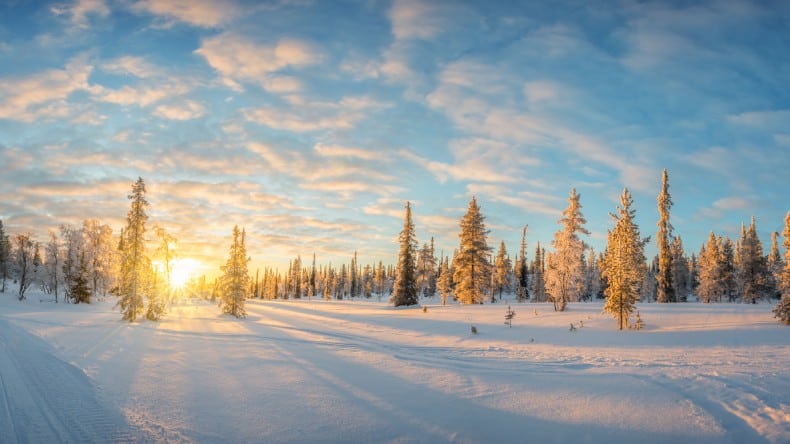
x=472, y=275
x=782, y=310
x=24, y=258
x=445, y=283
x=522, y=271
x=235, y=280
x=502, y=267
x=539, y=275
x=166, y=252
x=665, y=291
x=135, y=265
x=404, y=291
x=564, y=267
x=79, y=290
x=97, y=248
x=710, y=286
x=775, y=265
x=426, y=270
x=752, y=268
x=5, y=257
x=624, y=262
x=52, y=261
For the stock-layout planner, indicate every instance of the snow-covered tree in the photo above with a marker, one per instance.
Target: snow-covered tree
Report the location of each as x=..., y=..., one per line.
x=522, y=271
x=502, y=270
x=565, y=266
x=235, y=279
x=426, y=270
x=166, y=253
x=782, y=310
x=80, y=291
x=753, y=275
x=710, y=288
x=5, y=257
x=99, y=254
x=775, y=266
x=135, y=266
x=679, y=270
x=445, y=283
x=472, y=275
x=24, y=262
x=624, y=262
x=52, y=261
x=404, y=291
x=538, y=275
x=665, y=290
x=592, y=276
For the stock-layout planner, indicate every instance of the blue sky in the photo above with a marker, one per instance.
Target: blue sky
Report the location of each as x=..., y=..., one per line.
x=311, y=122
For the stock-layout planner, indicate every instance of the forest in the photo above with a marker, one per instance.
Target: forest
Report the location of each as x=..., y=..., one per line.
x=136, y=266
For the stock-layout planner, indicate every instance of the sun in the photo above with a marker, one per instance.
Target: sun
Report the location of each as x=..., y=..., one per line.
x=183, y=270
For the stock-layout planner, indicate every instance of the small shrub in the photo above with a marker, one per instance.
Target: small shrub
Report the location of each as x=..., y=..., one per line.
x=474, y=330
x=782, y=310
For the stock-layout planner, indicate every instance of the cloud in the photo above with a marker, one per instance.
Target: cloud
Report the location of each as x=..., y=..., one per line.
x=79, y=11
x=316, y=116
x=143, y=95
x=415, y=19
x=44, y=94
x=347, y=152
x=727, y=205
x=202, y=13
x=131, y=65
x=185, y=111
x=770, y=120
x=529, y=201
x=239, y=59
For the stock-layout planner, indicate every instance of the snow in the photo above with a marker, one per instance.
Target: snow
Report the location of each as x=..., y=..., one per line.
x=359, y=371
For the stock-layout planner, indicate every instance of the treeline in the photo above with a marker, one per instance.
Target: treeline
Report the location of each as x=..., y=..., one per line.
x=80, y=263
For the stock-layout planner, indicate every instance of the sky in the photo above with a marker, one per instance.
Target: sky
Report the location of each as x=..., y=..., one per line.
x=311, y=123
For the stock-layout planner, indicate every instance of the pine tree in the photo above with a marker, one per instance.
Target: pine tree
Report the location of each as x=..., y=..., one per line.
x=135, y=265
x=710, y=286
x=775, y=265
x=5, y=257
x=235, y=278
x=80, y=291
x=502, y=267
x=665, y=291
x=782, y=310
x=624, y=262
x=522, y=271
x=753, y=270
x=538, y=276
x=564, y=267
x=472, y=275
x=445, y=284
x=405, y=289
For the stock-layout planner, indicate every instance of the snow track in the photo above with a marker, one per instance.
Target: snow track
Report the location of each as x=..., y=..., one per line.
x=46, y=400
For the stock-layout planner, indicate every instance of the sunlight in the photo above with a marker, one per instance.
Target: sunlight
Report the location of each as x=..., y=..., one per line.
x=183, y=270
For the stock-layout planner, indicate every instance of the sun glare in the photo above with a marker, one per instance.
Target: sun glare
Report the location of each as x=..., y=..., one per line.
x=183, y=270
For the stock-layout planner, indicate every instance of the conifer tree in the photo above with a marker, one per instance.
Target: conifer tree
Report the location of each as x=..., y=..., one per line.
x=665, y=291
x=624, y=262
x=404, y=291
x=502, y=267
x=564, y=267
x=752, y=269
x=135, y=265
x=710, y=286
x=5, y=257
x=445, y=284
x=80, y=291
x=782, y=309
x=538, y=275
x=472, y=275
x=235, y=278
x=522, y=271
x=679, y=270
x=775, y=265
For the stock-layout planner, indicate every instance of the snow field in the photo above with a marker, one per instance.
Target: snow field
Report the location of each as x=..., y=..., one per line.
x=358, y=371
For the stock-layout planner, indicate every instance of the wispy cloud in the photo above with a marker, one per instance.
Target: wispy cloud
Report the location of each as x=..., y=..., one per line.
x=202, y=13
x=187, y=110
x=239, y=59
x=79, y=11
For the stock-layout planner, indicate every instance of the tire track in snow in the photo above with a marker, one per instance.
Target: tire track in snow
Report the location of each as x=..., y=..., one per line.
x=49, y=400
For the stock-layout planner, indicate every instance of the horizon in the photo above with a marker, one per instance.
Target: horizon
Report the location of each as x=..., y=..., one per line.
x=311, y=124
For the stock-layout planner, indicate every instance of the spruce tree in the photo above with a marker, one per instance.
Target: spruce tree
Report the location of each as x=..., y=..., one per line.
x=235, y=280
x=502, y=267
x=665, y=291
x=445, y=284
x=775, y=265
x=472, y=275
x=80, y=291
x=522, y=272
x=624, y=262
x=782, y=310
x=538, y=275
x=404, y=291
x=135, y=265
x=5, y=257
x=564, y=267
x=753, y=270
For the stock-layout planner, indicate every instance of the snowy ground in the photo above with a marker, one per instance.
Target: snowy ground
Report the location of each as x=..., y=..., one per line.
x=299, y=371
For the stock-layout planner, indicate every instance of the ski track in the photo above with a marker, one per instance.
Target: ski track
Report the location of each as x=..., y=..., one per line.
x=46, y=400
